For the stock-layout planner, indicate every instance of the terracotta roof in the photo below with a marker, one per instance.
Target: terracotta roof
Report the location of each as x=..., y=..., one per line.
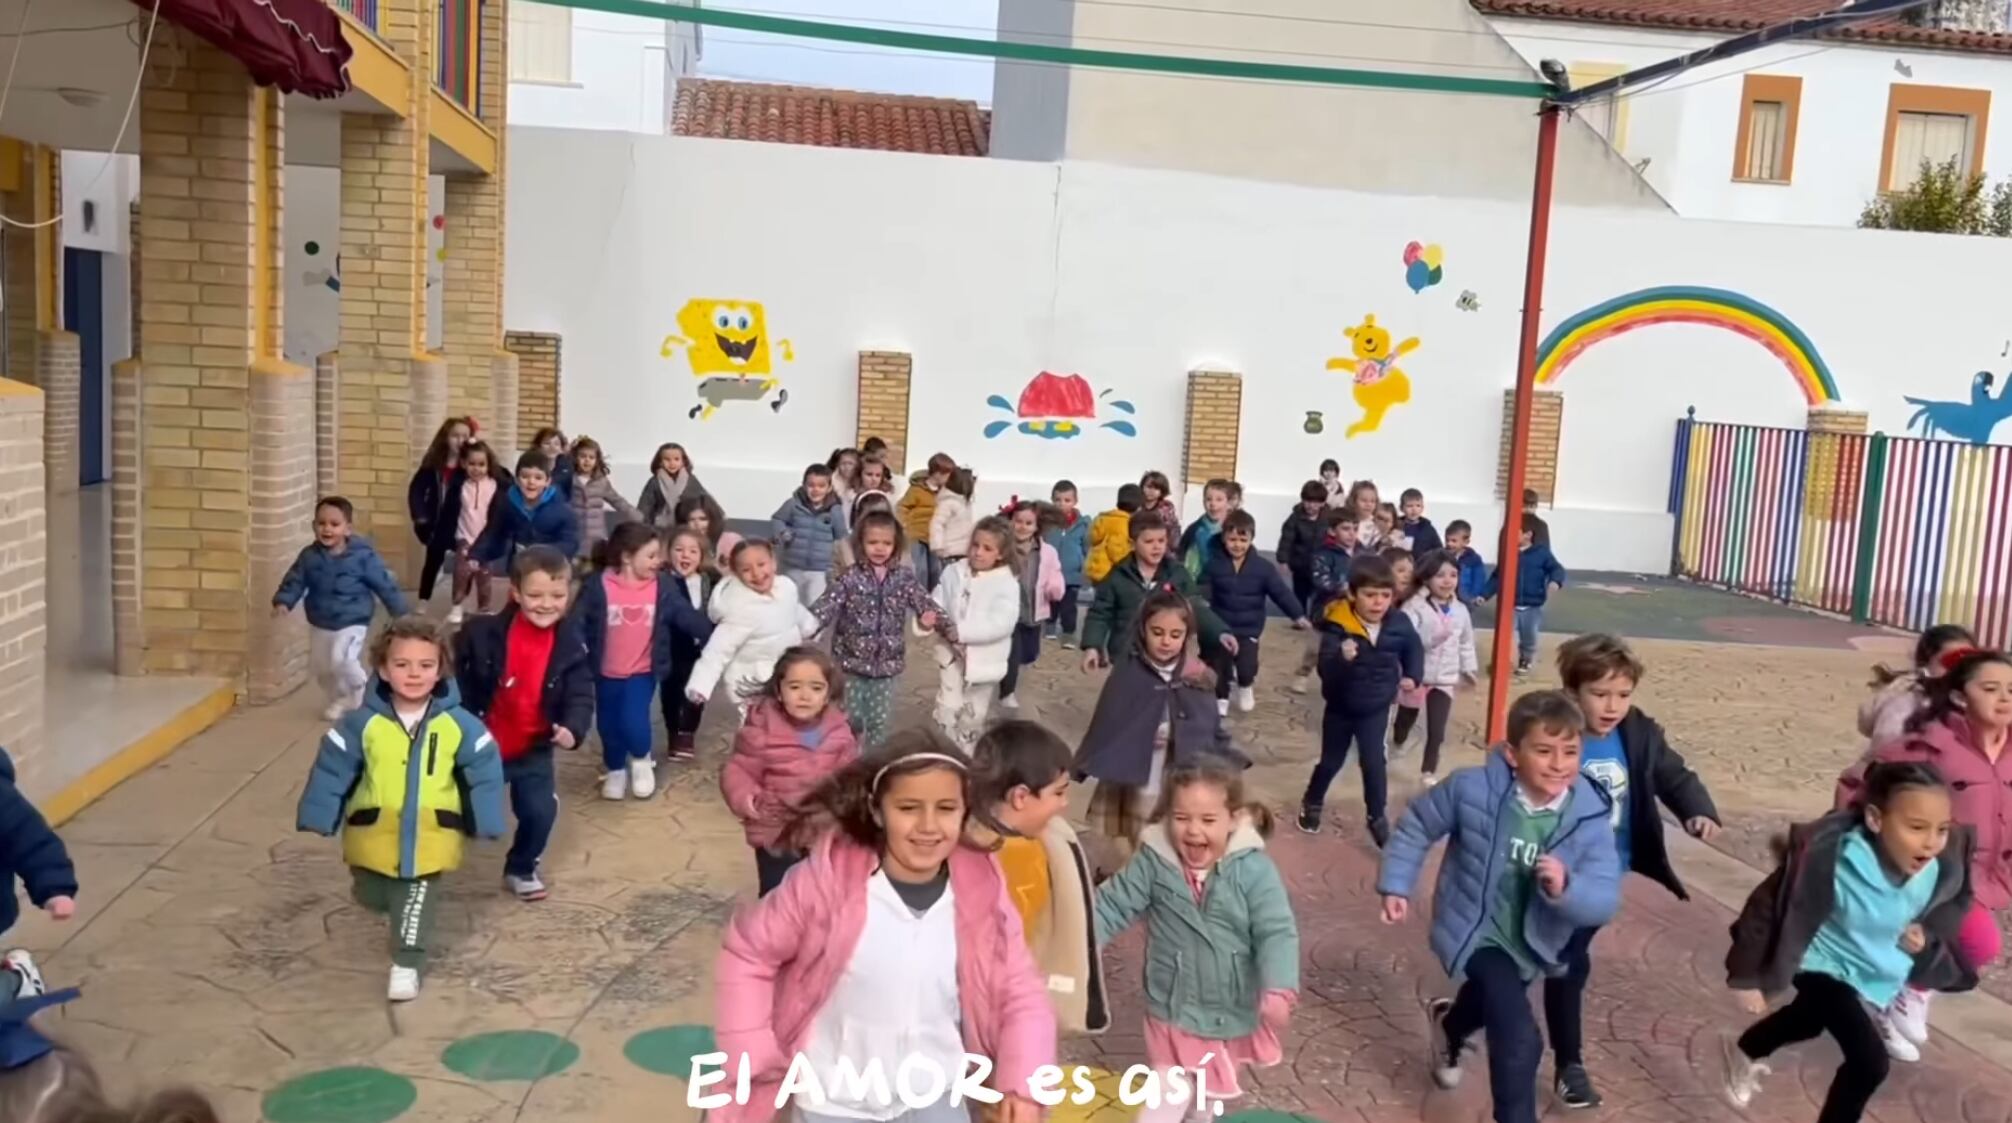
x=829, y=118
x=1733, y=16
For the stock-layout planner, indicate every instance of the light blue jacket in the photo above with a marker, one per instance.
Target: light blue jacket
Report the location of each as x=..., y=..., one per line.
x=339, y=588
x=1468, y=809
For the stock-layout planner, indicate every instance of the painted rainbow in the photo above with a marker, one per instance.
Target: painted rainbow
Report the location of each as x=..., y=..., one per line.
x=1687, y=305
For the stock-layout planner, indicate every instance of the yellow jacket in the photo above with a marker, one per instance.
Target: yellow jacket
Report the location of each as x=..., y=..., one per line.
x=1110, y=543
x=917, y=507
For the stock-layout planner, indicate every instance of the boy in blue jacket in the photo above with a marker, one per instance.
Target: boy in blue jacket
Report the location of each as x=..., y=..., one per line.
x=1529, y=861
x=1368, y=654
x=1537, y=569
x=1412, y=521
x=1219, y=498
x=339, y=574
x=30, y=852
x=1238, y=582
x=1071, y=539
x=1473, y=569
x=537, y=513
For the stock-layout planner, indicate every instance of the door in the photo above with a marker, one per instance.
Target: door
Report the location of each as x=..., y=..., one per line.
x=84, y=313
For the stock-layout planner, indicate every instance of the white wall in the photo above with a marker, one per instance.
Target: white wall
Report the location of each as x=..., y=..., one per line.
x=311, y=231
x=991, y=271
x=1688, y=128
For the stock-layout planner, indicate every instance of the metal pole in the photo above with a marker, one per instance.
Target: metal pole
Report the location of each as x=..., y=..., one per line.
x=1519, y=433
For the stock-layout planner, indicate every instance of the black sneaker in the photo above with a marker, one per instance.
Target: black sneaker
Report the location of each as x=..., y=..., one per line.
x=1445, y=1054
x=1309, y=820
x=1522, y=669
x=1575, y=1088
x=1379, y=830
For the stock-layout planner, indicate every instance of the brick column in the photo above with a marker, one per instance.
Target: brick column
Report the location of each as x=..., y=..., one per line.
x=59, y=371
x=500, y=420
x=883, y=403
x=471, y=329
x=537, y=379
x=282, y=510
x=1831, y=429
x=24, y=615
x=1547, y=417
x=327, y=410
x=17, y=272
x=1214, y=424
x=128, y=633
x=198, y=332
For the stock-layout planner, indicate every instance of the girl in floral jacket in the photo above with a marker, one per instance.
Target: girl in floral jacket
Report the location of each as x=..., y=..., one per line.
x=866, y=608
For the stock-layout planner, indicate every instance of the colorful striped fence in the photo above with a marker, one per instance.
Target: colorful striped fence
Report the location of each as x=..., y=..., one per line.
x=1887, y=530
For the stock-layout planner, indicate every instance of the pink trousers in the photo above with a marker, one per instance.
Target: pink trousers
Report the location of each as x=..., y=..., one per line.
x=1978, y=942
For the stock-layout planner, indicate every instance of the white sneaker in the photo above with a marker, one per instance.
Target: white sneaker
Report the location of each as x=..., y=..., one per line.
x=28, y=977
x=1429, y=779
x=1222, y=707
x=1246, y=699
x=1909, y=1014
x=335, y=710
x=1009, y=702
x=1743, y=1075
x=1897, y=1045
x=643, y=778
x=1445, y=1056
x=528, y=888
x=615, y=784
x=454, y=616
x=404, y=985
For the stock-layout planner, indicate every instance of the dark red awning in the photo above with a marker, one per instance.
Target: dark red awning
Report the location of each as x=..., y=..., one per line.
x=296, y=45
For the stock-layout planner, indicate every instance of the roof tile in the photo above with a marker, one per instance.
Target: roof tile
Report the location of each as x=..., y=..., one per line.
x=828, y=118
x=1742, y=15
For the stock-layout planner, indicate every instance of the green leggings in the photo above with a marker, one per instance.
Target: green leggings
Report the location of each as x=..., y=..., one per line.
x=410, y=905
x=870, y=704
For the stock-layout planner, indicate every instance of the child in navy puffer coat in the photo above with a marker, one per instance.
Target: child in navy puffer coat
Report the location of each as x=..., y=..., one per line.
x=1238, y=583
x=34, y=854
x=339, y=575
x=1369, y=652
x=806, y=527
x=535, y=513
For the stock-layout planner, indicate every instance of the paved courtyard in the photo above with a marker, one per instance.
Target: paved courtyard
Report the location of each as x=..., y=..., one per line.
x=218, y=947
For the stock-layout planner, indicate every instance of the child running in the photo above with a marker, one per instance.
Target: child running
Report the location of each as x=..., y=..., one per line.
x=1216, y=909
x=1238, y=583
x=917, y=511
x=1156, y=495
x=1962, y=734
x=32, y=853
x=702, y=513
x=1473, y=568
x=1412, y=523
x=593, y=496
x=1111, y=534
x=1864, y=902
x=671, y=483
x=1369, y=655
x=1021, y=777
x=795, y=737
x=339, y=575
x=403, y=811
x=1070, y=536
x=1194, y=548
x=536, y=513
x=982, y=596
x=951, y=522
x=1529, y=861
x=890, y=940
x=427, y=497
x=1537, y=570
x=1363, y=502
x=865, y=608
x=1330, y=482
x=1147, y=570
x=1625, y=752
x=756, y=617
x=844, y=465
x=688, y=568
x=475, y=497
x=1039, y=570
x=1154, y=713
x=1331, y=563
x=1300, y=537
x=1899, y=695
x=874, y=479
x=1446, y=632
x=527, y=674
x=806, y=526
x=552, y=445
x=631, y=616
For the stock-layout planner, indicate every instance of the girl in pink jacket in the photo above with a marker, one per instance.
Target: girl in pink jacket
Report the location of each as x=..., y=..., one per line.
x=1963, y=733
x=794, y=738
x=1898, y=695
x=892, y=942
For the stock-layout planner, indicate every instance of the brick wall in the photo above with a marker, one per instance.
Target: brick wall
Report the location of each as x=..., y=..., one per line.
x=1830, y=430
x=883, y=402
x=537, y=379
x=17, y=274
x=471, y=322
x=59, y=371
x=327, y=411
x=1547, y=416
x=1214, y=421
x=128, y=636
x=282, y=510
x=502, y=433
x=197, y=332
x=23, y=575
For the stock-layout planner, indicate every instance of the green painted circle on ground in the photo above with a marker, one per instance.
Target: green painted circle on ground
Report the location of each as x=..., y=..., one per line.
x=341, y=1095
x=1260, y=1115
x=668, y=1051
x=516, y=1054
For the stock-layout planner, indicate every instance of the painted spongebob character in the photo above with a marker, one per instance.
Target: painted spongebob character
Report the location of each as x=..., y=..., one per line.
x=727, y=344
x=1379, y=384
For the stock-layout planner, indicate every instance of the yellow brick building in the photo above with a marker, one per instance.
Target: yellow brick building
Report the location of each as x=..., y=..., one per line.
x=215, y=446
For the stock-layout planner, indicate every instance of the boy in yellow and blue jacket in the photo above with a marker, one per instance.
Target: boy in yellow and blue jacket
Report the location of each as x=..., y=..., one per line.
x=405, y=778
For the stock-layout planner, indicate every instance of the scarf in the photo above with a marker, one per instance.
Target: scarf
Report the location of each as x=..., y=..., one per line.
x=672, y=488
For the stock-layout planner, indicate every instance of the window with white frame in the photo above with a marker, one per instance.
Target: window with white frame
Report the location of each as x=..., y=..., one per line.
x=1936, y=138
x=541, y=43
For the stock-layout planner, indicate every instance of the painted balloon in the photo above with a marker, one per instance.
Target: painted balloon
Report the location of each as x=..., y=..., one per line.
x=1411, y=253
x=1433, y=257
x=1418, y=275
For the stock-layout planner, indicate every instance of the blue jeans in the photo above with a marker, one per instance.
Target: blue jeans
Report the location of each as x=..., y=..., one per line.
x=1338, y=730
x=1529, y=621
x=534, y=800
x=1495, y=999
x=622, y=715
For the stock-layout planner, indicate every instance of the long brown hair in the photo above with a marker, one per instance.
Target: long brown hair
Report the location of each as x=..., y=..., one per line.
x=850, y=800
x=1213, y=772
x=437, y=453
x=62, y=1087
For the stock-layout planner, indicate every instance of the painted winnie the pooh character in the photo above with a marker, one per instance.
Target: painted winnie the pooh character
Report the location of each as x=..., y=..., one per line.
x=1379, y=385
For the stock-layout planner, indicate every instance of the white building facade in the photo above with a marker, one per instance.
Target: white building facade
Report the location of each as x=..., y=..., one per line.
x=581, y=69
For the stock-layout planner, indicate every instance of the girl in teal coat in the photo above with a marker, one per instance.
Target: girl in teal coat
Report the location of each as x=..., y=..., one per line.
x=1222, y=947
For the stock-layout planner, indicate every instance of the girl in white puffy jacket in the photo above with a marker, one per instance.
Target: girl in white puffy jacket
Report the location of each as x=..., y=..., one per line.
x=1447, y=632
x=756, y=617
x=982, y=595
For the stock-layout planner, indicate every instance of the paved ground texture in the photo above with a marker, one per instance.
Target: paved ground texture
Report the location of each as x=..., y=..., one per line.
x=218, y=947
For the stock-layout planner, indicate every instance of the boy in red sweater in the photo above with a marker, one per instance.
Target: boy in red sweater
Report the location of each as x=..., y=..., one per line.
x=526, y=673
